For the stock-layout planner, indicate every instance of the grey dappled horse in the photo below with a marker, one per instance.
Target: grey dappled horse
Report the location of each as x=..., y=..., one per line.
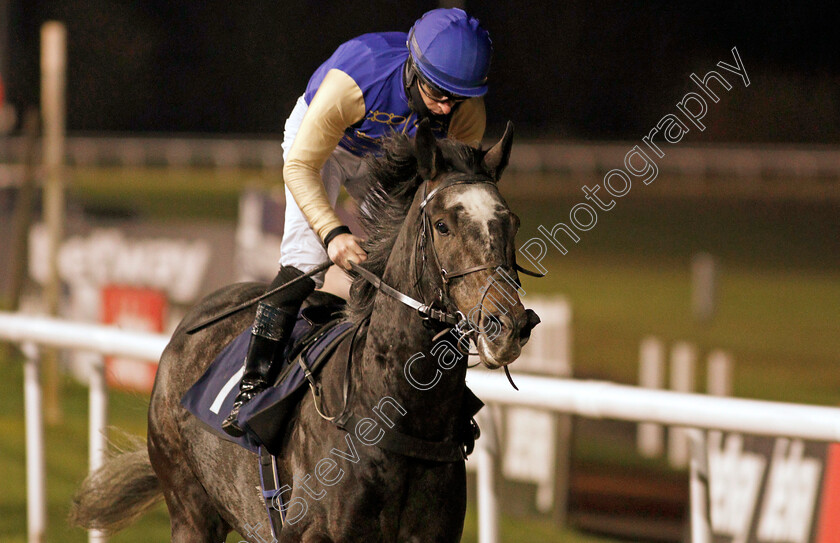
x=438, y=231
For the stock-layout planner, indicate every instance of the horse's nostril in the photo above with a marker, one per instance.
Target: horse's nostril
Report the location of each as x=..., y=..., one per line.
x=497, y=326
x=531, y=321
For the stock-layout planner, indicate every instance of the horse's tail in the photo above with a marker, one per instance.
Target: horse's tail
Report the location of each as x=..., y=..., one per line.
x=118, y=493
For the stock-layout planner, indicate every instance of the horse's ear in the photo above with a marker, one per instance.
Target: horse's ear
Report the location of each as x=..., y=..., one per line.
x=496, y=159
x=429, y=156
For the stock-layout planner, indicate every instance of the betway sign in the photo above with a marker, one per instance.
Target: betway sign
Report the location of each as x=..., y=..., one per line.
x=107, y=257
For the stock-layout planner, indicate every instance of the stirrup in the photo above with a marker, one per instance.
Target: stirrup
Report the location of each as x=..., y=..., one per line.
x=231, y=423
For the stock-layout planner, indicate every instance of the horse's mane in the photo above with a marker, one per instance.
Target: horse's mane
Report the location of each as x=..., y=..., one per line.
x=393, y=182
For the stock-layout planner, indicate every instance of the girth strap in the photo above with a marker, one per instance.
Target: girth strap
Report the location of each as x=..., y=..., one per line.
x=434, y=451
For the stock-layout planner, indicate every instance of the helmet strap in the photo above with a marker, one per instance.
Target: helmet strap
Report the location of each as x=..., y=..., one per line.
x=412, y=91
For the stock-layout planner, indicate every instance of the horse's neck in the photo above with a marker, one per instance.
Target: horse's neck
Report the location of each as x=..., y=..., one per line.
x=398, y=361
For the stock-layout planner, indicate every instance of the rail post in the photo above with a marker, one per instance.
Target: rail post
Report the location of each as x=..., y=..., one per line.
x=487, y=452
x=97, y=422
x=701, y=525
x=36, y=508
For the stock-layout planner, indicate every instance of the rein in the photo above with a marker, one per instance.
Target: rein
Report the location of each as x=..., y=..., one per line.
x=426, y=311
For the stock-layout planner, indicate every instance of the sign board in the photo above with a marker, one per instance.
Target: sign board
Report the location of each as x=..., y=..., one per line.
x=773, y=490
x=106, y=256
x=141, y=310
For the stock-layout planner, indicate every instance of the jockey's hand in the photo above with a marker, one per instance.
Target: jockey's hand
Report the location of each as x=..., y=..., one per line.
x=345, y=248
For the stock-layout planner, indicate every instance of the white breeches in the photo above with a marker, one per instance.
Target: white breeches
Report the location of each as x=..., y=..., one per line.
x=301, y=246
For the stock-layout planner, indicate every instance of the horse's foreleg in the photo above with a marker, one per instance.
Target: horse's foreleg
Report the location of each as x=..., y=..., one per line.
x=188, y=524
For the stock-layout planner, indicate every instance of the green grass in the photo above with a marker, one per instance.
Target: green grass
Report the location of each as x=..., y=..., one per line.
x=66, y=459
x=165, y=192
x=778, y=311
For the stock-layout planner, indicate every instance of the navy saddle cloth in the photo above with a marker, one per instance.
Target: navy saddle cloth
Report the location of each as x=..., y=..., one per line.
x=316, y=334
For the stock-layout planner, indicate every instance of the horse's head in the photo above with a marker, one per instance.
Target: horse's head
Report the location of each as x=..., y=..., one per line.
x=466, y=242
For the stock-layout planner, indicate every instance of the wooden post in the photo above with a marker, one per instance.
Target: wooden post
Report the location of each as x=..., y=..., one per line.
x=649, y=435
x=22, y=218
x=53, y=78
x=703, y=286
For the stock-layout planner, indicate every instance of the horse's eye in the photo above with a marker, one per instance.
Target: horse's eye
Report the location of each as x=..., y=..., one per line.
x=441, y=227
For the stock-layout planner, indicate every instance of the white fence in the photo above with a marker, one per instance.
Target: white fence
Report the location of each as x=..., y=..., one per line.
x=33, y=331
x=593, y=399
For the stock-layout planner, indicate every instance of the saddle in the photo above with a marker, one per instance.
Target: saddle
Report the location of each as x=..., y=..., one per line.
x=317, y=333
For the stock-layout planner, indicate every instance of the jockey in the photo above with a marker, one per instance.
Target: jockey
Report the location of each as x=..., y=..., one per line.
x=371, y=87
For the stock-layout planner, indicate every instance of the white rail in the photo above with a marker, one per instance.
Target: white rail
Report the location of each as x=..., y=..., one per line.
x=592, y=399
x=33, y=331
x=604, y=400
x=105, y=340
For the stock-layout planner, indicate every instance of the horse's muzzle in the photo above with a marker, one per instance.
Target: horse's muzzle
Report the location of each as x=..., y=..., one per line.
x=511, y=334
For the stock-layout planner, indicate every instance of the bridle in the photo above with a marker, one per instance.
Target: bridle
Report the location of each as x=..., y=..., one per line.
x=431, y=312
x=445, y=275
x=464, y=328
x=447, y=319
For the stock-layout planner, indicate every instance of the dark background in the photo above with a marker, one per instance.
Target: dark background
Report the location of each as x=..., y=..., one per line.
x=572, y=69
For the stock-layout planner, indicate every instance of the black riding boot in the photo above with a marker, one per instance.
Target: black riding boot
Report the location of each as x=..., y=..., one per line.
x=273, y=325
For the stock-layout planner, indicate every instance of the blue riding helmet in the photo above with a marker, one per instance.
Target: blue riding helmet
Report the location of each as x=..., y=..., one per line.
x=451, y=50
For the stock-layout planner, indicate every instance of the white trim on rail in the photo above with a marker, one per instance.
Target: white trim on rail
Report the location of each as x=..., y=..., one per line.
x=601, y=399
x=106, y=340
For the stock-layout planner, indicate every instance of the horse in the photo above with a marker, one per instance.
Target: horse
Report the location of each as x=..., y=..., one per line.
x=439, y=232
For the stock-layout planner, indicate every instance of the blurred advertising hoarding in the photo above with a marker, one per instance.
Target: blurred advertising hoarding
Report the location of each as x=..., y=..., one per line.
x=137, y=309
x=773, y=490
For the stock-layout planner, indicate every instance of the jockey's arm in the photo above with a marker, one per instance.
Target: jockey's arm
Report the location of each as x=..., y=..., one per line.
x=468, y=122
x=338, y=104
